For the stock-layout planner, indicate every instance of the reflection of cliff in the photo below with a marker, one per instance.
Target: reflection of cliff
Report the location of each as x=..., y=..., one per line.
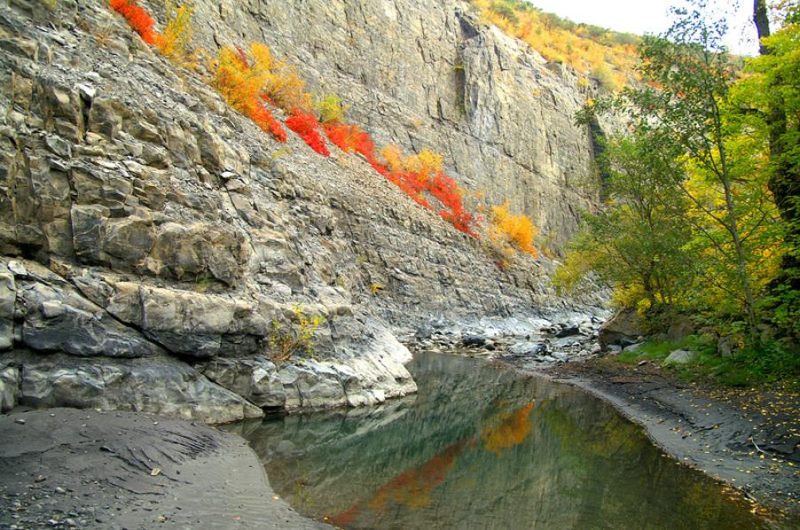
x=413, y=488
x=473, y=452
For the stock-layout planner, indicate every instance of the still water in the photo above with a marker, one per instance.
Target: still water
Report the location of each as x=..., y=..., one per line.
x=483, y=447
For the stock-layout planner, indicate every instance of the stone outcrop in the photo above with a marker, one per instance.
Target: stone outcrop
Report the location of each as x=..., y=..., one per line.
x=624, y=329
x=160, y=385
x=152, y=239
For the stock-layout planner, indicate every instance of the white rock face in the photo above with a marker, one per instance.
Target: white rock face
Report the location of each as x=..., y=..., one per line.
x=9, y=388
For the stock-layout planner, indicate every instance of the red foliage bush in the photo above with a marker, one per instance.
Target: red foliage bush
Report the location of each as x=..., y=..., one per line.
x=422, y=178
x=138, y=19
x=447, y=192
x=353, y=139
x=242, y=82
x=307, y=127
x=267, y=122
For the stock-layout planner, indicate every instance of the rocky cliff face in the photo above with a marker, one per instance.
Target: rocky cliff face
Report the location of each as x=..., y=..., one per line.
x=428, y=73
x=151, y=237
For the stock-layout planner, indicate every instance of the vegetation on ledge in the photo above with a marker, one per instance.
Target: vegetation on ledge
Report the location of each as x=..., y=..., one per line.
x=608, y=56
x=257, y=84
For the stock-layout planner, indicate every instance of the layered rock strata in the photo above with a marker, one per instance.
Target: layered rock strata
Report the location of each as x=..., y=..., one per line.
x=152, y=239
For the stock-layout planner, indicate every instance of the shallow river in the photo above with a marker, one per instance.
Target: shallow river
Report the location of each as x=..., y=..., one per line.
x=481, y=446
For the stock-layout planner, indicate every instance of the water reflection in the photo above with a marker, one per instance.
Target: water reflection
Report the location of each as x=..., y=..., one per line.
x=482, y=447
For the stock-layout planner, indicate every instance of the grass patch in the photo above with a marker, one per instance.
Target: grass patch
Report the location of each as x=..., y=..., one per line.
x=657, y=351
x=766, y=363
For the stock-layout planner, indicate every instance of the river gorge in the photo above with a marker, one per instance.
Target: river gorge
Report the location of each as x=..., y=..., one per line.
x=484, y=446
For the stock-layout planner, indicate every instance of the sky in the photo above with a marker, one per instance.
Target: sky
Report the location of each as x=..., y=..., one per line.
x=652, y=16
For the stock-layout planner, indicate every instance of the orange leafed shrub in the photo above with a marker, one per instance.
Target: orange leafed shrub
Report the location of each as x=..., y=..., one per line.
x=281, y=85
x=308, y=128
x=517, y=230
x=422, y=177
x=242, y=87
x=138, y=19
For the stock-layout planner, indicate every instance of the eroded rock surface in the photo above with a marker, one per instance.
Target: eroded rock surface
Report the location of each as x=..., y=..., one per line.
x=152, y=239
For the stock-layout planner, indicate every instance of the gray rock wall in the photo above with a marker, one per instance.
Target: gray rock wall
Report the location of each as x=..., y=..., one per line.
x=428, y=73
x=146, y=228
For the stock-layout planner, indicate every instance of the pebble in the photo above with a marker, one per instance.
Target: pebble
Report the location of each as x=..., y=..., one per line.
x=61, y=490
x=21, y=421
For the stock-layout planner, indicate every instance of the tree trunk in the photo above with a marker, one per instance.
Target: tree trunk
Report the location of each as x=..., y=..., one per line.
x=761, y=19
x=784, y=181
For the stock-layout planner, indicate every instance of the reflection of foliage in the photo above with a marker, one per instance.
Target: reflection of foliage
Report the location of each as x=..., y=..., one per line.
x=411, y=488
x=507, y=430
x=614, y=437
x=398, y=470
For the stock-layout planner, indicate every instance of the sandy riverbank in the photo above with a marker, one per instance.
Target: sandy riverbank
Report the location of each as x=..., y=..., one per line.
x=67, y=468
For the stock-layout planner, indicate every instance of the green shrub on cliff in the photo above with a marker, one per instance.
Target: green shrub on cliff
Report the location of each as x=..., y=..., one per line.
x=298, y=338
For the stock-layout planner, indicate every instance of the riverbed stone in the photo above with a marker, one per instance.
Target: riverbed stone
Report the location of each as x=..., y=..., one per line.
x=10, y=380
x=528, y=348
x=679, y=357
x=58, y=318
x=624, y=329
x=256, y=380
x=728, y=345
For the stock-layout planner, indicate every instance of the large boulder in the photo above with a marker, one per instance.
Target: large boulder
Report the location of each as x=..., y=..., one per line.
x=680, y=327
x=158, y=385
x=622, y=330
x=9, y=387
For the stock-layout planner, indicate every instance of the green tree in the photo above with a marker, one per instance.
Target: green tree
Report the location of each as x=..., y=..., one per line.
x=636, y=242
x=770, y=96
x=684, y=110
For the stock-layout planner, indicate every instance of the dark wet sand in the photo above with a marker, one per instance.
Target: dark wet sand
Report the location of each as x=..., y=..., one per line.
x=67, y=468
